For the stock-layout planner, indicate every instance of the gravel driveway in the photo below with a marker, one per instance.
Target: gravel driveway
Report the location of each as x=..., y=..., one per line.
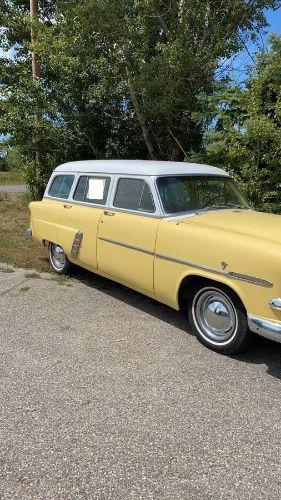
x=19, y=188
x=105, y=395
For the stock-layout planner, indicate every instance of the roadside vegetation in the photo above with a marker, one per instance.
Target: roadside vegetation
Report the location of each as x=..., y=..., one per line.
x=11, y=178
x=143, y=79
x=15, y=248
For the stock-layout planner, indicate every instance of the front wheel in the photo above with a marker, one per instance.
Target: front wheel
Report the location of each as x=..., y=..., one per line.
x=218, y=318
x=58, y=258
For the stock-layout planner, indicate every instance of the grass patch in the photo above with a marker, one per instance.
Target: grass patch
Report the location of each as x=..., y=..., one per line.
x=10, y=178
x=15, y=248
x=32, y=275
x=62, y=279
x=6, y=269
x=24, y=289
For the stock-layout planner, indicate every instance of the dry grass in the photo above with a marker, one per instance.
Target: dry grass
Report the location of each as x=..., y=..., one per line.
x=15, y=248
x=10, y=178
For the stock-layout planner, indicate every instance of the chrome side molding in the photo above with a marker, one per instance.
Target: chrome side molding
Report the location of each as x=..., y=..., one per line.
x=227, y=274
x=126, y=245
x=249, y=279
x=76, y=244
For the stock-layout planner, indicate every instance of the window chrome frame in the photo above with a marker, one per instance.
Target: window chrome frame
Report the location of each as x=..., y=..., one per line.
x=188, y=213
x=51, y=181
x=111, y=192
x=89, y=203
x=149, y=181
x=74, y=186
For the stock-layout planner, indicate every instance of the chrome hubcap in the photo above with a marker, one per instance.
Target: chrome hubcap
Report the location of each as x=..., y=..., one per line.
x=57, y=256
x=214, y=315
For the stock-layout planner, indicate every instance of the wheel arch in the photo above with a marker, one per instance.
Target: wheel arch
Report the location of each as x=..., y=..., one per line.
x=189, y=280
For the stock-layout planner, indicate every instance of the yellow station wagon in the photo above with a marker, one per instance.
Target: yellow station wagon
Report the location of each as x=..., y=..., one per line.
x=178, y=232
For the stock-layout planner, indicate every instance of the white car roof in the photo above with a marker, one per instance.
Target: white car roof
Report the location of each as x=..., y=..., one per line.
x=139, y=167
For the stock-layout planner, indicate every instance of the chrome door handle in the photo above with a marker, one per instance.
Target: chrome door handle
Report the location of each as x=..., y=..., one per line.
x=67, y=206
x=108, y=212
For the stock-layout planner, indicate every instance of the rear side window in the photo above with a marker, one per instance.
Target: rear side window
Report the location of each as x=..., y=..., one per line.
x=134, y=194
x=61, y=186
x=92, y=189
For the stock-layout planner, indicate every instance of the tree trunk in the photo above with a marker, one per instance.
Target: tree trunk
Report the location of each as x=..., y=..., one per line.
x=36, y=74
x=36, y=70
x=178, y=152
x=141, y=119
x=180, y=11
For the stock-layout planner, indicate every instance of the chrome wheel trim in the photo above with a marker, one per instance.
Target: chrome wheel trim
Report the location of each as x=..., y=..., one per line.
x=57, y=256
x=214, y=316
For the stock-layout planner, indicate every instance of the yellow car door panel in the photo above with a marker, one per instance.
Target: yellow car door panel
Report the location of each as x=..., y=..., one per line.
x=125, y=247
x=76, y=218
x=83, y=215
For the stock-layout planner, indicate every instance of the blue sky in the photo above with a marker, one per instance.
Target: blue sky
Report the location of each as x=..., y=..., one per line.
x=274, y=19
x=236, y=66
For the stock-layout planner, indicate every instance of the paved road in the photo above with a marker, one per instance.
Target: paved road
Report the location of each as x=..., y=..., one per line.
x=20, y=188
x=105, y=395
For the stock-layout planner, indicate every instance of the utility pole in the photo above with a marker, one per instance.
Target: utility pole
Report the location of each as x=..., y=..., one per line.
x=36, y=74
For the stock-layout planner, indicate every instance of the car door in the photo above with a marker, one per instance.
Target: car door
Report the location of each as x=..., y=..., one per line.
x=127, y=234
x=81, y=213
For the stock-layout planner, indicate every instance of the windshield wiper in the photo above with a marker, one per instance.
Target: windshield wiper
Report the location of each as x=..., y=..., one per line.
x=221, y=207
x=234, y=205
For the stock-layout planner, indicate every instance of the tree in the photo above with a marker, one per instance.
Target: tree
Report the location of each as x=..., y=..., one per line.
x=119, y=78
x=163, y=54
x=74, y=124
x=246, y=138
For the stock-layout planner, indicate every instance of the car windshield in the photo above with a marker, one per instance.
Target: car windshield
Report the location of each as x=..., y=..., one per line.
x=188, y=193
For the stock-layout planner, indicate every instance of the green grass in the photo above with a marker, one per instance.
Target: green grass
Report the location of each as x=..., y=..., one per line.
x=15, y=248
x=10, y=178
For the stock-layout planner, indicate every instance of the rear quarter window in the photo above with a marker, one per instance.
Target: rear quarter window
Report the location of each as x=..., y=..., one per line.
x=92, y=189
x=61, y=186
x=134, y=194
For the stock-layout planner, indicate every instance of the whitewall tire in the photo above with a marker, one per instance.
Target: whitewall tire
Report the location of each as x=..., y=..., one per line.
x=218, y=318
x=58, y=259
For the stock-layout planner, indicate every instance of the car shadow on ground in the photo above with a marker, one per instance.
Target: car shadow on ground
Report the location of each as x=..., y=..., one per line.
x=261, y=351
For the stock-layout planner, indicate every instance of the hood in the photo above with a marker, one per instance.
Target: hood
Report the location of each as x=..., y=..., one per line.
x=246, y=223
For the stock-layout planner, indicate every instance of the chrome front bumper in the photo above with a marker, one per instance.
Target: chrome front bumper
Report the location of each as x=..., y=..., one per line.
x=268, y=329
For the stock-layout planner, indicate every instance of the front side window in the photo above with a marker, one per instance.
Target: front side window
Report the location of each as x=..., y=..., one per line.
x=134, y=194
x=92, y=189
x=187, y=193
x=61, y=186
